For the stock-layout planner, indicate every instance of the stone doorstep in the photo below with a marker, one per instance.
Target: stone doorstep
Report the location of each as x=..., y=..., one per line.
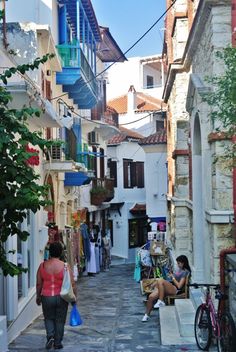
x=170, y=334
x=185, y=314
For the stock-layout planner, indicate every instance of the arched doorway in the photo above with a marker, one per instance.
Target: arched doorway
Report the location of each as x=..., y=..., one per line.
x=198, y=218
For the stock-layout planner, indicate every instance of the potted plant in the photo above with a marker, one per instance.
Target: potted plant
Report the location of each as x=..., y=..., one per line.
x=98, y=195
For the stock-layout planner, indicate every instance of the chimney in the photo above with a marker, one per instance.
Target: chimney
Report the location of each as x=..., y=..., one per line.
x=131, y=99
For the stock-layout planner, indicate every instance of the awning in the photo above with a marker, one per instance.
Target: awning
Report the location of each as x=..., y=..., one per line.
x=76, y=179
x=138, y=209
x=116, y=206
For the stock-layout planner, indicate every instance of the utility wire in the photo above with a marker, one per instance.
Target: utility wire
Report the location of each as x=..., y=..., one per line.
x=137, y=41
x=141, y=118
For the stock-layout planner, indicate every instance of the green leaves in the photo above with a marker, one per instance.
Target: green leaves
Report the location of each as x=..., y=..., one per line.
x=25, y=67
x=222, y=100
x=20, y=190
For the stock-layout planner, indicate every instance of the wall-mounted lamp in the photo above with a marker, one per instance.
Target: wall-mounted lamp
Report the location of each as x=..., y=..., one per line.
x=48, y=72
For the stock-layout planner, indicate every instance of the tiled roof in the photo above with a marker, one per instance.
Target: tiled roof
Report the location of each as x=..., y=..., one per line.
x=124, y=135
x=109, y=50
x=145, y=102
x=138, y=208
x=156, y=138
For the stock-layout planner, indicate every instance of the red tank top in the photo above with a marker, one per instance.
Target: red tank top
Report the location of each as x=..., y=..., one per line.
x=51, y=282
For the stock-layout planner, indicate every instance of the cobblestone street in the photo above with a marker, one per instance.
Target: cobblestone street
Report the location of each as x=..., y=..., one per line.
x=111, y=307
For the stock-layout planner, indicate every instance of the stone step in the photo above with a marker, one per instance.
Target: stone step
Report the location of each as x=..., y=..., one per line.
x=170, y=334
x=185, y=314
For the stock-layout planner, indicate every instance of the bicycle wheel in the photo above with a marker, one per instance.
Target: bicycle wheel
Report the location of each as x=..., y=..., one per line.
x=227, y=340
x=203, y=328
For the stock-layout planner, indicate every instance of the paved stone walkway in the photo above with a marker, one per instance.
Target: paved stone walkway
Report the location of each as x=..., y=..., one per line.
x=111, y=307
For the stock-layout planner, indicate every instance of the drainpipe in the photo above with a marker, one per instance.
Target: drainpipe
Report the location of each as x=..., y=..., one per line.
x=232, y=250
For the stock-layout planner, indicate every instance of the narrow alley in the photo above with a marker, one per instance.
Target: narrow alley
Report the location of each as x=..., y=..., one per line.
x=111, y=307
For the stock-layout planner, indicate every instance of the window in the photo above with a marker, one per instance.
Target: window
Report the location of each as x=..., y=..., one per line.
x=138, y=232
x=150, y=82
x=102, y=169
x=159, y=125
x=140, y=174
x=48, y=90
x=112, y=165
x=133, y=173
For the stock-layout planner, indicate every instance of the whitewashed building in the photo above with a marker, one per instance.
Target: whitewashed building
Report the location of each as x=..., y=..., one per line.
x=147, y=74
x=138, y=111
x=140, y=170
x=127, y=213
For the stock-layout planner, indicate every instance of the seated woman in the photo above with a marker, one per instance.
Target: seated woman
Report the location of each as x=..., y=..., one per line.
x=164, y=288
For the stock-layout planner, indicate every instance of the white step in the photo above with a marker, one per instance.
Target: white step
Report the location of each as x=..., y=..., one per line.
x=185, y=314
x=170, y=334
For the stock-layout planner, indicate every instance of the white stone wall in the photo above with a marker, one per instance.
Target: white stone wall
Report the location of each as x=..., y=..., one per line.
x=183, y=232
x=181, y=6
x=180, y=37
x=217, y=35
x=214, y=181
x=222, y=188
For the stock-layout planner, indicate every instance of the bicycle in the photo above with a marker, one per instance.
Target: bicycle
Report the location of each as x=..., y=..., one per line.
x=210, y=322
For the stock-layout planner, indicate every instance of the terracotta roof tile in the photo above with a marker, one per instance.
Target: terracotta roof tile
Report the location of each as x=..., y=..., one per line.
x=159, y=137
x=145, y=102
x=138, y=208
x=130, y=133
x=124, y=135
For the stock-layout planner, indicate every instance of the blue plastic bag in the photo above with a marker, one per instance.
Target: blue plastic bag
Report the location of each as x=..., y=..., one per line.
x=75, y=318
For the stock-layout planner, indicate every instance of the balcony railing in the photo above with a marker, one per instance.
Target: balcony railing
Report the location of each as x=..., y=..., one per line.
x=72, y=56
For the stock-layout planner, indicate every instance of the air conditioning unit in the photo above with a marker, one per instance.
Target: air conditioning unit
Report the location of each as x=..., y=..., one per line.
x=93, y=137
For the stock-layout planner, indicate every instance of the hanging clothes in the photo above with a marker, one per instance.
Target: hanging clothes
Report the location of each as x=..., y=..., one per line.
x=76, y=245
x=106, y=252
x=91, y=263
x=86, y=243
x=137, y=270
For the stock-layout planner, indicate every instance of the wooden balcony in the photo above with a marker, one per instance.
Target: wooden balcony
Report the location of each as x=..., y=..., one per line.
x=102, y=190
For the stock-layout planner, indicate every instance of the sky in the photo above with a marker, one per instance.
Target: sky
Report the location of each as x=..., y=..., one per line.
x=128, y=20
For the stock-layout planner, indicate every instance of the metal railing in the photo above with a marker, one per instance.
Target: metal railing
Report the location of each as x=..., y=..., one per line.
x=72, y=56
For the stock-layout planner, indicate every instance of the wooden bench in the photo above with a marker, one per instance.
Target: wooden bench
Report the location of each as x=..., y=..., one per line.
x=185, y=294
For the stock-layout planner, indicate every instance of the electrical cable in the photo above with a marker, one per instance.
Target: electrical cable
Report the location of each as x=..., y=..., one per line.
x=141, y=118
x=130, y=48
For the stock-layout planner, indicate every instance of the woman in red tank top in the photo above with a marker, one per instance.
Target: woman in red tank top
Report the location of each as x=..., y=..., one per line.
x=49, y=281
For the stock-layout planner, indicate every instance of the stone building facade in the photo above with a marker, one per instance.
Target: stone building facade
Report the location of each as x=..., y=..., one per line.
x=200, y=190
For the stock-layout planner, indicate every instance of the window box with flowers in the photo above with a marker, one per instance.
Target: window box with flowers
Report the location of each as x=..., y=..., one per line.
x=98, y=195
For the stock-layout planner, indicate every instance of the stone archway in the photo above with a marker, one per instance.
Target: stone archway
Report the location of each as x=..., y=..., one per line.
x=198, y=218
